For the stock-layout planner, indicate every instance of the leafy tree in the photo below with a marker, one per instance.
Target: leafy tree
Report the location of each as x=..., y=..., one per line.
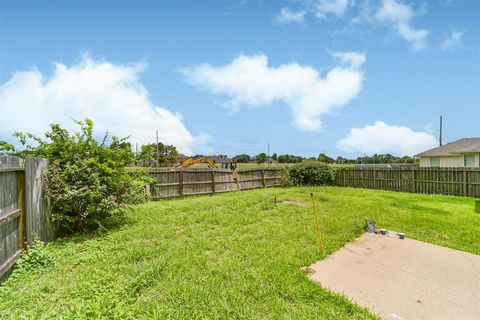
x=287, y=158
x=385, y=158
x=147, y=152
x=261, y=158
x=274, y=156
x=341, y=160
x=407, y=159
x=6, y=147
x=166, y=153
x=87, y=181
x=322, y=157
x=242, y=158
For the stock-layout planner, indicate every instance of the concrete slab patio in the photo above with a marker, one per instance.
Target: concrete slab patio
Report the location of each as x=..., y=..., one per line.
x=404, y=279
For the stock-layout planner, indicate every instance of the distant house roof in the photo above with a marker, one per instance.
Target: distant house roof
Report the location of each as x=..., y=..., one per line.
x=464, y=145
x=182, y=157
x=221, y=158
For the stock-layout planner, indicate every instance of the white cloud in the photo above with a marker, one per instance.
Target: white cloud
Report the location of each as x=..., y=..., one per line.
x=109, y=94
x=250, y=81
x=322, y=8
x=452, y=41
x=400, y=16
x=384, y=138
x=287, y=15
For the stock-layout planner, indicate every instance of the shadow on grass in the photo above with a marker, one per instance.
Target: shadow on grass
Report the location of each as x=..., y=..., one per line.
x=419, y=208
x=103, y=230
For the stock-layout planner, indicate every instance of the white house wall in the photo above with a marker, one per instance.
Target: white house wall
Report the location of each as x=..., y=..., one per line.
x=424, y=162
x=449, y=161
x=454, y=161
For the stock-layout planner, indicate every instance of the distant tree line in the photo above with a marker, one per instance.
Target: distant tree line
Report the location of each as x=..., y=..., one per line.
x=322, y=157
x=169, y=154
x=385, y=158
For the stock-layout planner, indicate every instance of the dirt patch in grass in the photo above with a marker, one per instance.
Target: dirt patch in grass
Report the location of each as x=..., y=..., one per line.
x=293, y=202
x=308, y=271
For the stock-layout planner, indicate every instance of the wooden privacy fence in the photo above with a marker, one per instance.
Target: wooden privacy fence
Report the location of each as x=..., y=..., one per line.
x=177, y=183
x=23, y=209
x=447, y=181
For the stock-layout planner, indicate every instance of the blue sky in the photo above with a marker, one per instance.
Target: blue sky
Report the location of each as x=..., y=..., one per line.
x=337, y=76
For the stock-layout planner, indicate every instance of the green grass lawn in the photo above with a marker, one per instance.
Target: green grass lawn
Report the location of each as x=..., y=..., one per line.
x=235, y=255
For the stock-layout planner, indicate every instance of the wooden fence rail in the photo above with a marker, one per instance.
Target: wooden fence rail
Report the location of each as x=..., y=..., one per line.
x=23, y=209
x=447, y=181
x=176, y=183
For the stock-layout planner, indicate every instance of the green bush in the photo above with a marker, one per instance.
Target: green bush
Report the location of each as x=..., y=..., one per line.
x=140, y=179
x=285, y=178
x=87, y=181
x=311, y=173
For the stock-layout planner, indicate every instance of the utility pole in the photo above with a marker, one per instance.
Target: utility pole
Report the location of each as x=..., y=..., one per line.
x=157, y=148
x=440, y=131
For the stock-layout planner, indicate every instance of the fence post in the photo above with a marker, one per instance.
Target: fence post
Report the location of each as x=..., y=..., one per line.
x=238, y=181
x=263, y=179
x=414, y=188
x=180, y=183
x=362, y=178
x=21, y=206
x=465, y=182
x=213, y=181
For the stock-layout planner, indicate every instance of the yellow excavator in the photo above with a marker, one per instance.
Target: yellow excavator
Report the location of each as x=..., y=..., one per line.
x=191, y=161
x=211, y=164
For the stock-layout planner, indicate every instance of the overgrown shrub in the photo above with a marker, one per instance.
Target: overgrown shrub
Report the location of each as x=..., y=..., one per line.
x=140, y=179
x=87, y=181
x=285, y=178
x=311, y=173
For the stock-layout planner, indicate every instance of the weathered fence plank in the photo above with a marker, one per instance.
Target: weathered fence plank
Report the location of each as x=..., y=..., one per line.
x=23, y=207
x=38, y=221
x=447, y=181
x=175, y=183
x=10, y=162
x=11, y=205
